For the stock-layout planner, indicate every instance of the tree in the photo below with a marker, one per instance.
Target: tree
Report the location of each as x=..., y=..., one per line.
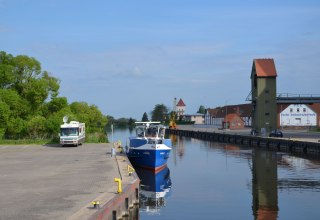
x=122, y=122
x=202, y=110
x=18, y=106
x=56, y=104
x=24, y=107
x=54, y=120
x=145, y=117
x=6, y=70
x=91, y=115
x=131, y=122
x=24, y=75
x=159, y=113
x=37, y=127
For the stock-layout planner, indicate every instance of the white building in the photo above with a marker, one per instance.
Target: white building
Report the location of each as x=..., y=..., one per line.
x=197, y=118
x=298, y=115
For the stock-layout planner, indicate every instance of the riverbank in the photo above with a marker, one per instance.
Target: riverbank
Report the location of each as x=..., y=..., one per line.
x=298, y=135
x=298, y=144
x=53, y=182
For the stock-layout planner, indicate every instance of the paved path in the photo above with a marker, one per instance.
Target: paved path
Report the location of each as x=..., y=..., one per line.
x=53, y=182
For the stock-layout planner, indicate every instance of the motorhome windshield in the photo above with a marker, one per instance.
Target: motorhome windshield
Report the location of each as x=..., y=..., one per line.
x=69, y=131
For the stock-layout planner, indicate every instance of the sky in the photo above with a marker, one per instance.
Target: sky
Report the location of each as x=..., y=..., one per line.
x=126, y=56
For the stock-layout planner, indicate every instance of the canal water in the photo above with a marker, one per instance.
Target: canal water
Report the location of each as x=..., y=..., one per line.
x=208, y=180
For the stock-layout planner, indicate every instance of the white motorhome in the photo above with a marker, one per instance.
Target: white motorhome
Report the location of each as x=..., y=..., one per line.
x=72, y=133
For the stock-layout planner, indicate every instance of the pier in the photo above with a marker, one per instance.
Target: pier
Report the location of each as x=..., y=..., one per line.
x=54, y=182
x=290, y=145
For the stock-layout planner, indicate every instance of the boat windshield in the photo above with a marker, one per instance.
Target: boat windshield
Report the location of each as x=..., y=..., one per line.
x=140, y=132
x=152, y=131
x=69, y=132
x=162, y=132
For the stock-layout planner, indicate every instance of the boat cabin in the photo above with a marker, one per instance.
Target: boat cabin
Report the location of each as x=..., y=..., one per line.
x=148, y=130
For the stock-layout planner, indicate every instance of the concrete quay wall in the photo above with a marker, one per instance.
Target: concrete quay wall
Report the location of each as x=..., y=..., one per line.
x=124, y=205
x=53, y=182
x=299, y=145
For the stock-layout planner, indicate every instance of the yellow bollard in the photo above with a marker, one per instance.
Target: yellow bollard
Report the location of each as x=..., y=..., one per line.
x=96, y=204
x=119, y=184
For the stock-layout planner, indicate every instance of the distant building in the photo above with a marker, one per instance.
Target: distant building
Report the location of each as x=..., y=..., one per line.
x=196, y=118
x=291, y=116
x=180, y=108
x=222, y=117
x=299, y=115
x=233, y=121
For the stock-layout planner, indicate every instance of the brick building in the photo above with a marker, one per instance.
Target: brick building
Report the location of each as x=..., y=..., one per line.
x=288, y=115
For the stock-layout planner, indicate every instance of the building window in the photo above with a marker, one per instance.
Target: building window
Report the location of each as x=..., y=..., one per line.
x=298, y=110
x=266, y=91
x=291, y=110
x=267, y=113
x=267, y=101
x=304, y=109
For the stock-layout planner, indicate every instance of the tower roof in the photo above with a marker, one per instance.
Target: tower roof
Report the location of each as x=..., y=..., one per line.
x=181, y=103
x=264, y=68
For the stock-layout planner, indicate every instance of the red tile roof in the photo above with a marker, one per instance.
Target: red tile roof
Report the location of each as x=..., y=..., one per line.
x=265, y=67
x=243, y=110
x=181, y=103
x=315, y=107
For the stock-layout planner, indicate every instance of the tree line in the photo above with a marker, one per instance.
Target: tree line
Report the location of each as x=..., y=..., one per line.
x=162, y=114
x=30, y=105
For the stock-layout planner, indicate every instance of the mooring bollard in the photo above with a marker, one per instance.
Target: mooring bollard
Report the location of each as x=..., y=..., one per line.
x=113, y=152
x=96, y=204
x=118, y=180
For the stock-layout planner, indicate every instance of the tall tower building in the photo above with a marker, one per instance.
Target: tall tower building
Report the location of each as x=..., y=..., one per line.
x=264, y=92
x=174, y=105
x=180, y=108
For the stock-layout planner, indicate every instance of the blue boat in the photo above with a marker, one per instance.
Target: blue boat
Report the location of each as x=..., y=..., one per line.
x=154, y=189
x=149, y=149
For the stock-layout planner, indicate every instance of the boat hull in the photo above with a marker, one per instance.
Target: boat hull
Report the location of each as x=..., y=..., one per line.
x=151, y=159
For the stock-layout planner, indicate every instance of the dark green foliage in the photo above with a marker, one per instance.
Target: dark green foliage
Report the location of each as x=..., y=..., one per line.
x=131, y=122
x=89, y=114
x=25, y=111
x=145, y=117
x=122, y=122
x=160, y=113
x=202, y=110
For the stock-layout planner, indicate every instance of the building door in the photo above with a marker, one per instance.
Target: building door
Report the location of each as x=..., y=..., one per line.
x=298, y=121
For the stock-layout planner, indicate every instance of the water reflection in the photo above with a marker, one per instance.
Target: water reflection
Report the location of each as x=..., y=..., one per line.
x=154, y=188
x=264, y=185
x=254, y=183
x=178, y=150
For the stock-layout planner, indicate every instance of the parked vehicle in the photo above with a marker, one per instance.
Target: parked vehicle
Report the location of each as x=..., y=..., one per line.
x=72, y=133
x=253, y=132
x=276, y=133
